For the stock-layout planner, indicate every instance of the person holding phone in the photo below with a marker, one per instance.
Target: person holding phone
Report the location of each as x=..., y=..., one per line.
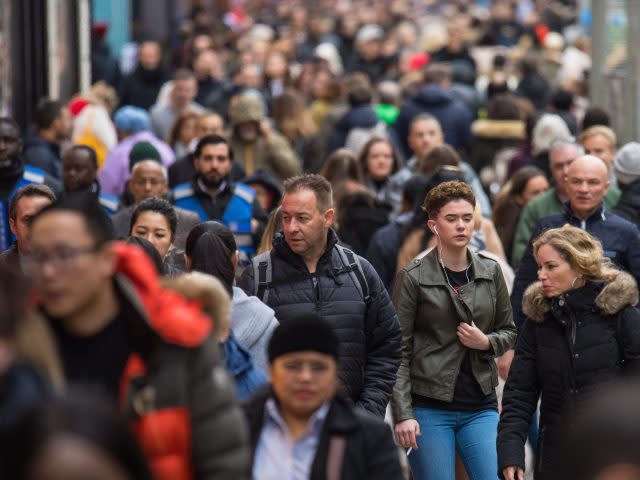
x=456, y=317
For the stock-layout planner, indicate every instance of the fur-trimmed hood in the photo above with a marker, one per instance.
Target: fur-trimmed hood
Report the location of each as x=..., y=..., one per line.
x=617, y=294
x=508, y=129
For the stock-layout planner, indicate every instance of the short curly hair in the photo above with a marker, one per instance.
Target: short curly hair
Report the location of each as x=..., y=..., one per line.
x=447, y=192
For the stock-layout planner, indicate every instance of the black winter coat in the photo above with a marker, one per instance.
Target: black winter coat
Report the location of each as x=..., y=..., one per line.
x=369, y=453
x=628, y=205
x=620, y=240
x=141, y=87
x=369, y=352
x=569, y=346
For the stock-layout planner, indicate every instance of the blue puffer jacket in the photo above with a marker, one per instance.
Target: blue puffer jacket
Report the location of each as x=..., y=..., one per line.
x=369, y=352
x=620, y=240
x=454, y=117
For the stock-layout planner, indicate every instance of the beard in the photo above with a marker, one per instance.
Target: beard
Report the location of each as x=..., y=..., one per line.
x=210, y=182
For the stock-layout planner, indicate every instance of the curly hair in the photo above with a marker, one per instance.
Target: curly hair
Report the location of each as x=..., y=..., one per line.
x=444, y=193
x=580, y=249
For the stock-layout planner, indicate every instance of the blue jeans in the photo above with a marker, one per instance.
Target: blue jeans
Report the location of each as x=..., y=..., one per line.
x=443, y=433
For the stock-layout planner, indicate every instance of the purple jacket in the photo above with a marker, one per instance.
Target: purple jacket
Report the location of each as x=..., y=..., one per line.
x=115, y=172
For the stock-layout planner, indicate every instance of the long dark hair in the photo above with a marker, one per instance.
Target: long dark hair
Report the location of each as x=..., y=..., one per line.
x=84, y=416
x=210, y=247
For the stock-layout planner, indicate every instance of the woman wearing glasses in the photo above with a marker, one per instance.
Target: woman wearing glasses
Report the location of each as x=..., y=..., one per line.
x=456, y=318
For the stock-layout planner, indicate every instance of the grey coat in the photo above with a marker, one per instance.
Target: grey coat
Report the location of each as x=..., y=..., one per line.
x=253, y=322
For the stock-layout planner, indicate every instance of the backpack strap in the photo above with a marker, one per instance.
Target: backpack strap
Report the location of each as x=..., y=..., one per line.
x=262, y=275
x=352, y=262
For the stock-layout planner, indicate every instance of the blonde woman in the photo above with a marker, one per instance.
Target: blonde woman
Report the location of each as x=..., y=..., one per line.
x=582, y=330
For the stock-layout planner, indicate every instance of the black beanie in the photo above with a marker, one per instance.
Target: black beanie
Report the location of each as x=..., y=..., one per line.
x=307, y=332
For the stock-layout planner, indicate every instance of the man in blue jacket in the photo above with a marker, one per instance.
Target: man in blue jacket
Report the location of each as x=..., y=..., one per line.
x=587, y=183
x=213, y=196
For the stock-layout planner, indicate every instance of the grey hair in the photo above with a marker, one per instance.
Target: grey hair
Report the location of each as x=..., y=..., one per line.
x=162, y=167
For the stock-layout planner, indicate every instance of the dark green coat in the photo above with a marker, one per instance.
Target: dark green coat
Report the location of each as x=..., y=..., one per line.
x=429, y=314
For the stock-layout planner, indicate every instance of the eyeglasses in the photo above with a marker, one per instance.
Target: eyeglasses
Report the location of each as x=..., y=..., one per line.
x=60, y=259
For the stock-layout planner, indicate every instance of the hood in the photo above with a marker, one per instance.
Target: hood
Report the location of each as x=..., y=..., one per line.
x=433, y=95
x=621, y=291
x=362, y=116
x=248, y=109
x=268, y=181
x=175, y=319
x=250, y=318
x=504, y=129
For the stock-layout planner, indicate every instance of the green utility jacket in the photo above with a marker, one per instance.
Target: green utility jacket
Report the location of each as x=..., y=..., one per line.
x=429, y=313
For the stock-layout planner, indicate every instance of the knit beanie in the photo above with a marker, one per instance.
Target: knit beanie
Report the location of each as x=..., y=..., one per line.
x=131, y=119
x=143, y=151
x=305, y=332
x=626, y=164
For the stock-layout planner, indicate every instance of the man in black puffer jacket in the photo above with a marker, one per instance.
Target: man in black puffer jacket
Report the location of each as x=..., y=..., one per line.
x=309, y=274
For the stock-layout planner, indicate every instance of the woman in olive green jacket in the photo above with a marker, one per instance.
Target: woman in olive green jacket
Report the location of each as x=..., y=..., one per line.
x=456, y=318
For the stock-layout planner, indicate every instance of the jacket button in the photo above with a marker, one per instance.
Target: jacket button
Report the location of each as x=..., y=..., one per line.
x=561, y=302
x=577, y=355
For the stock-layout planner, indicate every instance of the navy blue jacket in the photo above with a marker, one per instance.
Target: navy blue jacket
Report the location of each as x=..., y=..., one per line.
x=620, y=240
x=43, y=155
x=383, y=252
x=363, y=116
x=454, y=117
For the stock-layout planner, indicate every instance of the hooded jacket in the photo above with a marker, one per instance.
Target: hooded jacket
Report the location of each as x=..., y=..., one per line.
x=454, y=117
x=270, y=152
x=490, y=136
x=569, y=346
x=252, y=322
x=174, y=390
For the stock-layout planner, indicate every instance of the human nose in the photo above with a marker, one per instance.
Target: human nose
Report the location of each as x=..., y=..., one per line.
x=541, y=274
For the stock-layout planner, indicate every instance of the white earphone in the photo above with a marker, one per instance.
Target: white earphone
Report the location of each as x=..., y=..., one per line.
x=435, y=230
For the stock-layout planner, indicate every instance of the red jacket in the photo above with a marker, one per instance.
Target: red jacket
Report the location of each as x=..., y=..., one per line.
x=174, y=389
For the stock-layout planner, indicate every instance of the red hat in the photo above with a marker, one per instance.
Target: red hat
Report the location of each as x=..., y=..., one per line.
x=77, y=105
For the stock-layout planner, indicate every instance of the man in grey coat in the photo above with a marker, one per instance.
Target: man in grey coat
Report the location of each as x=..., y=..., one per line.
x=149, y=179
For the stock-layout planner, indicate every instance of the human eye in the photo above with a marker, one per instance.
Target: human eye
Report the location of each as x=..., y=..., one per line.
x=293, y=366
x=319, y=367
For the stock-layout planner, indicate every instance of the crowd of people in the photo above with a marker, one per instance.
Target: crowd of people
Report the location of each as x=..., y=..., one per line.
x=344, y=239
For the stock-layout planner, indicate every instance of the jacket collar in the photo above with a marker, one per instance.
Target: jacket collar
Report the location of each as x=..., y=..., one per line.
x=598, y=214
x=281, y=246
x=431, y=270
x=616, y=294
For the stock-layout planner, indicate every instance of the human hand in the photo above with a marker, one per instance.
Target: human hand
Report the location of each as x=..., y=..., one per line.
x=406, y=433
x=513, y=473
x=472, y=337
x=504, y=364
x=265, y=129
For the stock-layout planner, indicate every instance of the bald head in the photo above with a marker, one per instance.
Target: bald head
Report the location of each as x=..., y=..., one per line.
x=587, y=184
